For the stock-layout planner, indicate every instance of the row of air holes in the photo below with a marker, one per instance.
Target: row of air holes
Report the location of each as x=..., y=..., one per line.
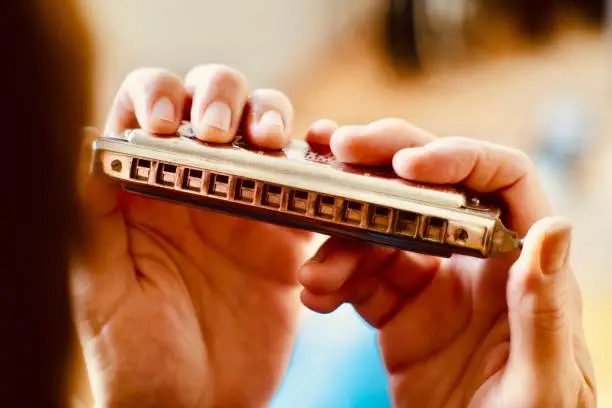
x=378, y=218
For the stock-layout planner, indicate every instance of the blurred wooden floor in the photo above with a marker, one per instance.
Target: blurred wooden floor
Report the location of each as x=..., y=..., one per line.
x=498, y=100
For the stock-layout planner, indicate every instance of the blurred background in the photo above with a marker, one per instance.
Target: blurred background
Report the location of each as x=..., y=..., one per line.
x=533, y=74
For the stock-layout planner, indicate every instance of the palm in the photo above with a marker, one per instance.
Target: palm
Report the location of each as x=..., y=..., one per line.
x=444, y=344
x=204, y=308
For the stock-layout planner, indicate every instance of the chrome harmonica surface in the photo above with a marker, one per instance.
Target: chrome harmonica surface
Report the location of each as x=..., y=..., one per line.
x=303, y=186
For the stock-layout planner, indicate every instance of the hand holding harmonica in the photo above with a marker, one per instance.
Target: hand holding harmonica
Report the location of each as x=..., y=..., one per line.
x=212, y=295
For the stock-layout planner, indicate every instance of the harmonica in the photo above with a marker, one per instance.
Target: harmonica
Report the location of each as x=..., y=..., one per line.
x=303, y=186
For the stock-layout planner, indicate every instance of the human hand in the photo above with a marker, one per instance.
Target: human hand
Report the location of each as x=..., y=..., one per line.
x=462, y=332
x=177, y=306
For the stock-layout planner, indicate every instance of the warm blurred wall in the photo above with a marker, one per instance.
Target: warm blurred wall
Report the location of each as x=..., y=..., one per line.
x=273, y=42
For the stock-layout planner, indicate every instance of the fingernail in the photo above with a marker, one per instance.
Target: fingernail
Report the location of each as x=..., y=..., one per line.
x=164, y=110
x=555, y=249
x=272, y=118
x=217, y=115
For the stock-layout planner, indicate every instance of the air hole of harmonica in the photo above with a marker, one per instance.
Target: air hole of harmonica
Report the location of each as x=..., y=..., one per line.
x=274, y=189
x=140, y=169
x=144, y=163
x=436, y=222
x=298, y=201
x=381, y=211
x=435, y=229
x=406, y=223
x=218, y=185
x=195, y=173
x=169, y=168
x=301, y=195
x=354, y=206
x=116, y=165
x=192, y=179
x=248, y=184
x=327, y=200
x=352, y=213
x=379, y=218
x=325, y=207
x=271, y=196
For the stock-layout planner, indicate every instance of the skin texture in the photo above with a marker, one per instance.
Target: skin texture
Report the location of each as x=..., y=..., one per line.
x=185, y=307
x=172, y=302
x=462, y=332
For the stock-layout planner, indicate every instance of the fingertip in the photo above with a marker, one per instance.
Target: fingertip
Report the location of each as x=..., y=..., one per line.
x=218, y=98
x=407, y=163
x=269, y=131
x=377, y=142
x=211, y=134
x=547, y=243
x=320, y=132
x=333, y=265
x=311, y=278
x=156, y=97
x=323, y=304
x=344, y=144
x=268, y=119
x=163, y=117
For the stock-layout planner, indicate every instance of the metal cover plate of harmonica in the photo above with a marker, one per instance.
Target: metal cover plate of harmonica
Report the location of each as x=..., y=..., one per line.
x=303, y=186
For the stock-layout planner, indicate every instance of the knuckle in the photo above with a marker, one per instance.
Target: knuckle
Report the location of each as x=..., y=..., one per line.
x=551, y=317
x=265, y=95
x=548, y=320
x=391, y=123
x=148, y=78
x=522, y=159
x=456, y=140
x=219, y=74
x=265, y=99
x=229, y=76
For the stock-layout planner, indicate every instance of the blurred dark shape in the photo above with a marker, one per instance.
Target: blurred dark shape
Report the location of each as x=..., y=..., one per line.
x=419, y=33
x=535, y=17
x=594, y=11
x=47, y=96
x=400, y=34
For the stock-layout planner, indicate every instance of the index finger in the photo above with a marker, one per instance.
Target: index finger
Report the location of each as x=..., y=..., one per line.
x=150, y=98
x=483, y=167
x=421, y=157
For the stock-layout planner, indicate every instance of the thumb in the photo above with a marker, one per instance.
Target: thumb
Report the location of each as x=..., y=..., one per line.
x=539, y=299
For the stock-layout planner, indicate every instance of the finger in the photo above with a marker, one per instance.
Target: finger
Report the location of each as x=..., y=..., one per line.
x=377, y=142
x=149, y=98
x=333, y=264
x=321, y=131
x=483, y=167
x=540, y=300
x=374, y=279
x=219, y=95
x=268, y=119
x=322, y=303
x=372, y=298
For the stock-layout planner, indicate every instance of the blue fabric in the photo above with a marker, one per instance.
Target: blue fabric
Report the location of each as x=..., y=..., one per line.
x=335, y=364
